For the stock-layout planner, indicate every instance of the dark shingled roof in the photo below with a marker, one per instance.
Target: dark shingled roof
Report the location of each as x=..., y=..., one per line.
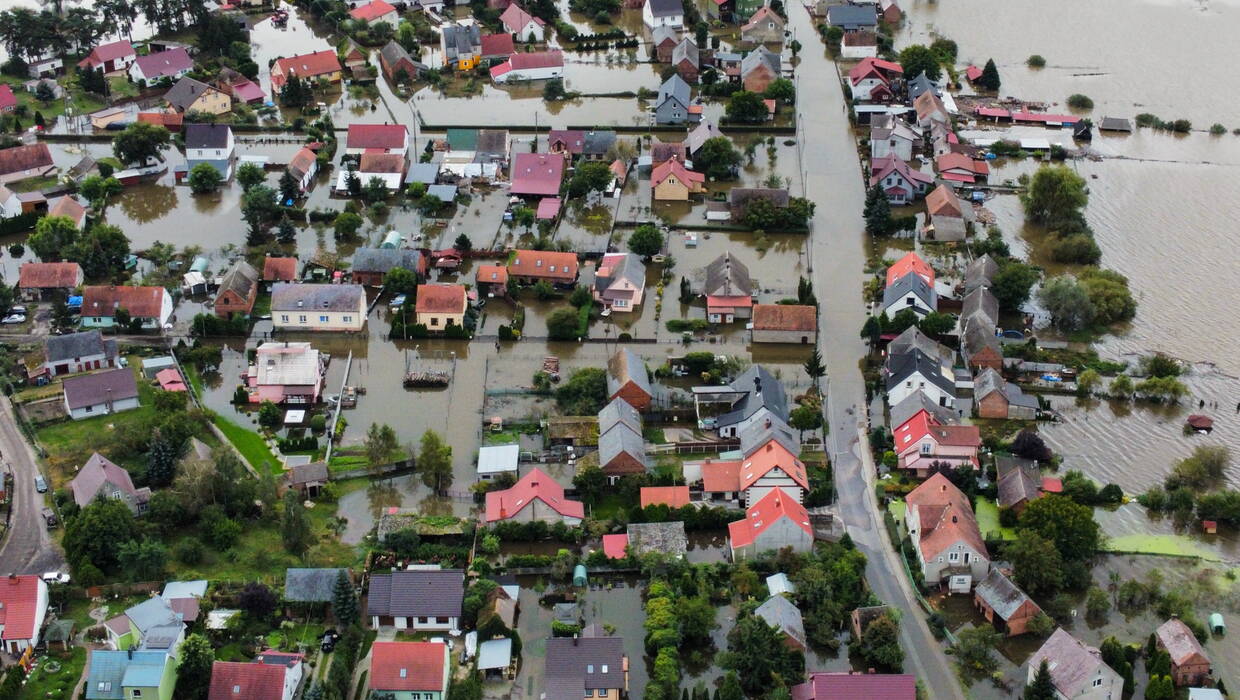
x=94, y=389
x=311, y=585
x=666, y=8
x=917, y=401
x=417, y=594
x=912, y=282
x=21, y=158
x=1019, y=480
x=899, y=367
x=913, y=339
x=86, y=343
x=771, y=396
x=626, y=366
x=726, y=277
x=981, y=303
x=998, y=591
x=182, y=96
x=318, y=297
x=980, y=273
x=385, y=259
x=241, y=279
x=580, y=662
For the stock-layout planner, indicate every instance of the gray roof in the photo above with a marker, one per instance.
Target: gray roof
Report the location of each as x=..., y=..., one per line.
x=1115, y=124
x=417, y=593
x=493, y=143
x=621, y=440
x=666, y=8
x=676, y=88
x=978, y=335
x=317, y=297
x=686, y=50
x=762, y=390
x=310, y=585
x=980, y=272
x=726, y=276
x=182, y=96
x=308, y=473
x=987, y=382
x=581, y=662
x=626, y=366
x=83, y=344
x=459, y=38
x=757, y=57
x=847, y=16
x=152, y=613
x=619, y=412
x=910, y=283
x=662, y=33
x=97, y=471
x=425, y=173
x=666, y=538
x=918, y=401
x=900, y=367
x=196, y=588
x=913, y=339
x=998, y=591
x=206, y=135
x=1018, y=480
x=445, y=193
x=392, y=53
x=760, y=432
x=922, y=84
x=780, y=613
x=494, y=653
x=981, y=301
x=598, y=142
x=241, y=278
x=94, y=389
x=629, y=268
x=701, y=133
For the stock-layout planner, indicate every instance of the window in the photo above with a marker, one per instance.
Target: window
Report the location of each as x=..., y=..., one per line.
x=926, y=448
x=589, y=692
x=348, y=319
x=116, y=495
x=953, y=556
x=322, y=319
x=301, y=319
x=137, y=693
x=434, y=321
x=1097, y=682
x=89, y=409
x=283, y=318
x=589, y=668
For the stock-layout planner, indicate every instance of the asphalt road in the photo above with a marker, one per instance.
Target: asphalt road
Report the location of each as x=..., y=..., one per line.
x=27, y=548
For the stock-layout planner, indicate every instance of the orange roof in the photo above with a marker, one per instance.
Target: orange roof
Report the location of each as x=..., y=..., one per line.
x=441, y=299
x=169, y=120
x=279, y=269
x=784, y=317
x=140, y=302
x=505, y=504
x=687, y=177
x=54, y=275
x=942, y=201
x=402, y=666
x=491, y=274
x=371, y=10
x=921, y=425
x=547, y=264
x=614, y=546
x=953, y=161
x=945, y=517
x=910, y=263
x=19, y=601
x=718, y=477
x=771, y=456
x=776, y=504
x=671, y=496
x=305, y=66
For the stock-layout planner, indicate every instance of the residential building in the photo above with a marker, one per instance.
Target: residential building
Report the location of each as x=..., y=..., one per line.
x=979, y=346
x=672, y=181
x=776, y=521
x=771, y=465
x=913, y=339
x=318, y=307
x=1189, y=663
x=948, y=221
x=764, y=27
x=620, y=282
x=535, y=496
x=924, y=446
x=892, y=137
x=211, y=144
x=279, y=269
x=320, y=65
x=166, y=117
x=670, y=496
x=619, y=412
x=871, y=686
x=122, y=675
x=890, y=12
x=859, y=44
x=238, y=291
x=1003, y=604
x=24, y=602
x=568, y=142
x=699, y=135
x=303, y=167
x=783, y=615
x=1077, y=669
x=980, y=272
x=870, y=80
x=497, y=460
x=239, y=87
x=409, y=671
x=997, y=398
x=389, y=168
x=945, y=535
x=671, y=106
x=982, y=306
x=663, y=13
x=38, y=280
x=526, y=27
x=621, y=447
x=371, y=265
x=918, y=372
x=731, y=408
x=664, y=40
x=627, y=379
x=172, y=64
x=110, y=58
x=395, y=60
x=685, y=59
x=910, y=263
x=155, y=624
x=911, y=293
x=461, y=45
x=441, y=305
x=388, y=139
x=78, y=352
x=311, y=585
x=596, y=144
x=785, y=323
x=930, y=109
x=588, y=666
x=497, y=47
x=491, y=280
x=374, y=12
x=900, y=182
x=537, y=175
x=23, y=162
x=286, y=373
x=69, y=208
x=417, y=600
x=189, y=95
x=271, y=676
x=958, y=167
x=921, y=84
x=100, y=393
x=99, y=479
x=728, y=289
x=530, y=266
x=1019, y=482
x=535, y=65
x=918, y=401
x=760, y=68
x=852, y=18
x=661, y=152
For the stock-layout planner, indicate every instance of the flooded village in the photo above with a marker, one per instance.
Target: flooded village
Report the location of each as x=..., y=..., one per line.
x=645, y=349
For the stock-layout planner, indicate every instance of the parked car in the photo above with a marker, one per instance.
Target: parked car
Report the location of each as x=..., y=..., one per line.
x=398, y=300
x=19, y=309
x=56, y=577
x=49, y=517
x=330, y=637
x=13, y=319
x=40, y=484
x=1014, y=334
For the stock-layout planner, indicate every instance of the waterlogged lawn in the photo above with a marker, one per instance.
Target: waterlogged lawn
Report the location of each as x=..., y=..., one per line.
x=988, y=519
x=1169, y=545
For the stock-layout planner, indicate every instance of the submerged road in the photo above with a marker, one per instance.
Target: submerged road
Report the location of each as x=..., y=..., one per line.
x=833, y=180
x=27, y=548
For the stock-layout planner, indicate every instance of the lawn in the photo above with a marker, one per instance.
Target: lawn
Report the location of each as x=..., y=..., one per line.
x=345, y=462
x=307, y=633
x=1168, y=545
x=988, y=520
x=611, y=505
x=897, y=508
x=34, y=184
x=44, y=683
x=250, y=444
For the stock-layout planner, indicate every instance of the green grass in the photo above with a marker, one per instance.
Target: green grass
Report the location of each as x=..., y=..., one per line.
x=43, y=684
x=121, y=87
x=1167, y=545
x=262, y=306
x=611, y=505
x=897, y=508
x=250, y=444
x=287, y=639
x=988, y=520
x=32, y=184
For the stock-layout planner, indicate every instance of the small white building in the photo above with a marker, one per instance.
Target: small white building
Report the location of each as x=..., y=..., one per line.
x=24, y=600
x=537, y=65
x=212, y=144
x=494, y=460
x=663, y=13
x=101, y=393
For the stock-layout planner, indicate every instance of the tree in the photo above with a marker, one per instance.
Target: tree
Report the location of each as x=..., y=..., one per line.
x=194, y=669
x=872, y=329
x=975, y=650
x=781, y=90
x=53, y=237
x=718, y=158
x=1109, y=296
x=990, y=77
x=917, y=59
x=730, y=689
x=1069, y=525
x=581, y=296
x=463, y=244
x=295, y=92
x=344, y=601
x=1041, y=687
x=101, y=252
x=1067, y=302
x=1055, y=197
x=91, y=535
x=1079, y=101
x=524, y=216
x=877, y=212
x=814, y=367
x=936, y=323
x=590, y=483
x=259, y=209
x=594, y=176
x=747, y=108
x=346, y=224
x=251, y=174
x=398, y=280
x=375, y=190
x=204, y=178
x=584, y=393
x=285, y=231
x=1097, y=604
x=1012, y=283
x=143, y=560
x=295, y=524
x=805, y=294
x=140, y=142
x=880, y=645
x=162, y=458
x=646, y=241
x=758, y=655
x=553, y=90
x=435, y=462
x=98, y=190
x=805, y=417
x=380, y=444
x=697, y=619
x=562, y=324
x=1030, y=445
x=1121, y=387
x=270, y=415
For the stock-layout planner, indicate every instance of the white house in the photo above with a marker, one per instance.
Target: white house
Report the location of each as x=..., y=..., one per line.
x=24, y=601
x=945, y=535
x=376, y=138
x=772, y=466
x=212, y=144
x=892, y=136
x=910, y=292
x=100, y=393
x=78, y=352
x=663, y=13
x=777, y=521
x=421, y=599
x=318, y=307
x=538, y=65
x=494, y=460
x=173, y=64
x=525, y=26
x=1077, y=670
x=916, y=371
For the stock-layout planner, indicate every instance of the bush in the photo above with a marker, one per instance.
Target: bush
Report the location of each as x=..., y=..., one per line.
x=1035, y=61
x=1079, y=101
x=1218, y=129
x=1076, y=249
x=681, y=325
x=189, y=551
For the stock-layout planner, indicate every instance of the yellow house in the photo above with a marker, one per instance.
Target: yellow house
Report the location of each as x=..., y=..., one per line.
x=318, y=307
x=190, y=95
x=440, y=306
x=673, y=182
x=461, y=45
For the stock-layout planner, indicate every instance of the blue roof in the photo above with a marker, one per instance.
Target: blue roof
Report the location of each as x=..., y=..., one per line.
x=146, y=674
x=496, y=653
x=185, y=589
x=111, y=671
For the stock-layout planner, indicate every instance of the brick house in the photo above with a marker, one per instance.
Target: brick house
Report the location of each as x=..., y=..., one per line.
x=238, y=291
x=1003, y=604
x=627, y=379
x=1189, y=663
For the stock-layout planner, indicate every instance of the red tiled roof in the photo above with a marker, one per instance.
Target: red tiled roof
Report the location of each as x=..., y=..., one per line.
x=725, y=302
x=548, y=208
x=19, y=600
x=871, y=686
x=548, y=264
x=972, y=73
x=992, y=112
x=505, y=504
x=165, y=63
x=942, y=201
x=718, y=477
x=491, y=274
x=536, y=173
x=536, y=59
x=171, y=121
x=952, y=161
x=876, y=66
x=302, y=161
x=305, y=66
x=912, y=262
x=441, y=299
x=385, y=136
x=107, y=52
x=1180, y=642
x=922, y=425
x=569, y=140
x=19, y=158
x=381, y=163
x=7, y=99
x=371, y=10
x=614, y=545
x=669, y=168
x=140, y=302
x=515, y=19
x=56, y=275
x=232, y=680
x=497, y=45
x=396, y=666
x=784, y=317
x=672, y=496
x=279, y=269
x=772, y=455
x=1051, y=484
x=945, y=517
x=170, y=380
x=776, y=504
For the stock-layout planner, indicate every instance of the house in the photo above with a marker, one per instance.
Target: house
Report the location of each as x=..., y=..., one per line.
x=930, y=109
x=871, y=686
x=721, y=10
x=11, y=203
x=923, y=446
x=910, y=292
x=371, y=265
x=918, y=401
x=593, y=664
x=621, y=448
x=568, y=142
x=172, y=64
x=870, y=80
x=279, y=269
x=497, y=47
x=785, y=323
x=22, y=162
x=958, y=167
x=776, y=521
x=536, y=175
x=663, y=13
x=982, y=306
x=461, y=45
x=78, y=352
x=110, y=58
x=664, y=40
x=661, y=152
x=303, y=167
x=627, y=379
x=913, y=339
x=764, y=27
x=620, y=281
x=286, y=373
x=390, y=139
x=619, y=412
x=388, y=168
x=491, y=279
x=760, y=68
x=996, y=398
x=397, y=64
x=530, y=266
x=525, y=26
x=901, y=183
x=311, y=585
x=947, y=215
x=771, y=464
x=156, y=623
x=238, y=291
x=99, y=478
x=979, y=346
x=408, y=670
x=672, y=104
x=890, y=12
x=497, y=460
x=1003, y=604
x=980, y=272
x=685, y=59
x=189, y=95
x=945, y=536
x=39, y=280
x=271, y=676
x=166, y=117
x=374, y=12
x=417, y=600
x=731, y=408
x=69, y=208
x=307, y=479
x=121, y=675
x=1077, y=670
x=916, y=371
x=597, y=144
x=852, y=18
x=47, y=65
x=892, y=137
x=211, y=144
x=441, y=305
x=101, y=393
x=239, y=87
x=1019, y=482
x=1189, y=663
x=859, y=44
x=149, y=307
x=318, y=307
x=670, y=496
x=784, y=616
x=728, y=289
x=320, y=65
x=536, y=65
x=673, y=182
x=24, y=602
x=535, y=496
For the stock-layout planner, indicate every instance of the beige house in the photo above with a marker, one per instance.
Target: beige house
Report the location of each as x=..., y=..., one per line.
x=190, y=95
x=441, y=305
x=318, y=307
x=945, y=535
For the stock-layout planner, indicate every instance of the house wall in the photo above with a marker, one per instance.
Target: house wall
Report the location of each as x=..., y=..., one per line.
x=987, y=357
x=229, y=302
x=633, y=395
x=676, y=21
x=539, y=510
x=78, y=364
x=212, y=102
x=791, y=337
x=758, y=79
x=532, y=74
x=766, y=33
x=1195, y=671
x=671, y=190
x=783, y=533
x=763, y=486
x=438, y=322
x=908, y=301
x=993, y=405
x=671, y=112
x=430, y=624
x=934, y=571
x=101, y=409
x=915, y=382
x=623, y=463
x=312, y=320
x=858, y=52
x=884, y=148
x=948, y=228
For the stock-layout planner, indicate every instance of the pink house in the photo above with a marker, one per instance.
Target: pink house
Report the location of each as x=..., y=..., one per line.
x=620, y=281
x=921, y=444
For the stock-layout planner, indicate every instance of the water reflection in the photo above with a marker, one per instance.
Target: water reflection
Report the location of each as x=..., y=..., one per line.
x=148, y=202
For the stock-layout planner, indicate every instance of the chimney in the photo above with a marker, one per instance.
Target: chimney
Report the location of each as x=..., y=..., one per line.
x=768, y=422
x=757, y=384
x=130, y=650
x=955, y=519
x=575, y=639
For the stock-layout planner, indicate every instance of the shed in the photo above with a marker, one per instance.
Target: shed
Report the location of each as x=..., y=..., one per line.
x=1210, y=527
x=494, y=460
x=779, y=583
x=579, y=575
x=495, y=654
x=393, y=239
x=1216, y=623
x=152, y=366
x=200, y=264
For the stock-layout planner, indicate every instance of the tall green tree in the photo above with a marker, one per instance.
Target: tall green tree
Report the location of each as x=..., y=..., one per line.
x=1012, y=283
x=880, y=644
x=91, y=536
x=758, y=655
x=718, y=158
x=290, y=189
x=990, y=77
x=1041, y=687
x=53, y=238
x=381, y=444
x=917, y=59
x=646, y=240
x=435, y=462
x=194, y=668
x=1037, y=565
x=593, y=176
x=295, y=525
x=814, y=367
x=204, y=178
x=1055, y=197
x=259, y=209
x=746, y=108
x=250, y=174
x=877, y=212
x=344, y=601
x=140, y=142
x=1069, y=525
x=162, y=458
x=143, y=560
x=98, y=190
